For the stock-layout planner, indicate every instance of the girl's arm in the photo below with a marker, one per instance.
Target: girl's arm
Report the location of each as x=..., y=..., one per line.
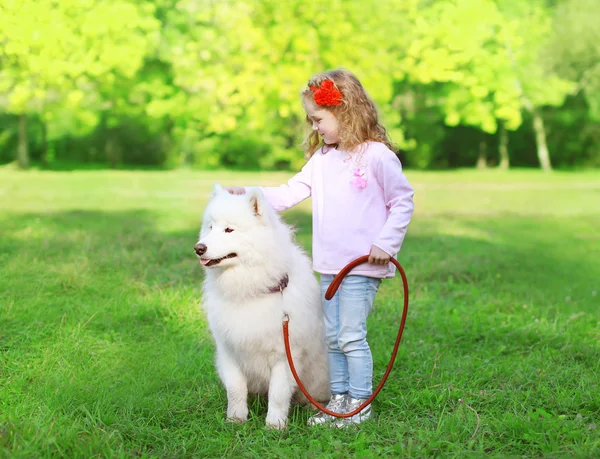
x=298, y=188
x=398, y=195
x=285, y=196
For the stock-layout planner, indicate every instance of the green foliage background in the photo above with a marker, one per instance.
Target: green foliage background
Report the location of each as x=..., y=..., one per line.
x=205, y=84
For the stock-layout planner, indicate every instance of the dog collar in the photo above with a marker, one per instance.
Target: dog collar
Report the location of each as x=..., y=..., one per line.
x=283, y=283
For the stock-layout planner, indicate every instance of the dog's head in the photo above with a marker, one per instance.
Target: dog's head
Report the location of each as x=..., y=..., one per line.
x=235, y=228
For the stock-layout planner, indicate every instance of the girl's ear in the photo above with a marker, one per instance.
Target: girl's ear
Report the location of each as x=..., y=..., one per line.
x=217, y=189
x=257, y=200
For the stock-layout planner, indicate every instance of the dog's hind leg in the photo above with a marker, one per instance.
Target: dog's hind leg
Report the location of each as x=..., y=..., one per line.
x=281, y=387
x=236, y=385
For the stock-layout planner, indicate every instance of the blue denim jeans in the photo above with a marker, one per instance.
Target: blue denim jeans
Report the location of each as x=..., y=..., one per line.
x=350, y=360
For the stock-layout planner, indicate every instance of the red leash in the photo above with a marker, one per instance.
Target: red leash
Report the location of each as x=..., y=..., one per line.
x=328, y=295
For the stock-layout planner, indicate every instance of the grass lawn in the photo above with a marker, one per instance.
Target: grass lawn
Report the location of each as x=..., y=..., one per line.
x=105, y=352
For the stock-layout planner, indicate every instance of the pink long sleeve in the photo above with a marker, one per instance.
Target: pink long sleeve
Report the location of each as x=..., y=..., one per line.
x=398, y=196
x=297, y=190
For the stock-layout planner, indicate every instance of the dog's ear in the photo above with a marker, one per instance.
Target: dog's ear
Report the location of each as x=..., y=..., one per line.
x=217, y=189
x=257, y=200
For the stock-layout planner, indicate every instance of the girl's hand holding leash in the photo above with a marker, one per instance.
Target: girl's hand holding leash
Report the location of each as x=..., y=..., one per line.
x=378, y=256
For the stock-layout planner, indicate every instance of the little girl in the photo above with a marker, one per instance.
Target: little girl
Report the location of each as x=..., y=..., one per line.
x=361, y=204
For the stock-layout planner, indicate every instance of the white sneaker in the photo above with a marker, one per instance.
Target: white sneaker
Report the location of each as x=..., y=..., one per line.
x=351, y=405
x=337, y=404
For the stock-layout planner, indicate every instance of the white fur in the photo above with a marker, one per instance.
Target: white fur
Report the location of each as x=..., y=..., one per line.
x=246, y=320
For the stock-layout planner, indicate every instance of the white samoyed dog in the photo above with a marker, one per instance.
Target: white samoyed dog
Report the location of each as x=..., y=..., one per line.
x=255, y=274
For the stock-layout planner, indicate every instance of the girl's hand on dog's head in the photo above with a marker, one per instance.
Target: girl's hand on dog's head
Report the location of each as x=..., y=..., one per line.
x=236, y=190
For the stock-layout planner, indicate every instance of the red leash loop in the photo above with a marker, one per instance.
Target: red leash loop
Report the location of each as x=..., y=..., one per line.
x=335, y=284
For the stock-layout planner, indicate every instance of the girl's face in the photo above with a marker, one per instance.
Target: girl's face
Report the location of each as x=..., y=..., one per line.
x=324, y=122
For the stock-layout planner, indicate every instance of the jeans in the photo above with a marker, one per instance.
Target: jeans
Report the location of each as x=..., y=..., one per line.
x=350, y=359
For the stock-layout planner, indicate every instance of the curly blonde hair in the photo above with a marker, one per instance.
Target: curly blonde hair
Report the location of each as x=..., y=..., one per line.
x=356, y=114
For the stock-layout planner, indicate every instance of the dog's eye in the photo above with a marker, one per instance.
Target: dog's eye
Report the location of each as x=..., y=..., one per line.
x=228, y=230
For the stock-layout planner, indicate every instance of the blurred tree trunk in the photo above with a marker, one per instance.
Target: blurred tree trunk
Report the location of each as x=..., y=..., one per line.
x=112, y=152
x=562, y=88
x=22, y=149
x=44, y=153
x=540, y=140
x=482, y=158
x=503, y=148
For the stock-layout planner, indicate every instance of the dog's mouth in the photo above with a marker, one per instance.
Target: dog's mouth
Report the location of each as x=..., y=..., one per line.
x=215, y=261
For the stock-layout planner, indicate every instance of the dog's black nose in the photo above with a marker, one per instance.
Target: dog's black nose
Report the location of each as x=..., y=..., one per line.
x=200, y=248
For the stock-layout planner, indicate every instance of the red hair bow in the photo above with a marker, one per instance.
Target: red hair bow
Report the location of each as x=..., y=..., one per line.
x=327, y=94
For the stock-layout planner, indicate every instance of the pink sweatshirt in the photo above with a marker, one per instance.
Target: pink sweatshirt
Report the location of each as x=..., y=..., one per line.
x=348, y=219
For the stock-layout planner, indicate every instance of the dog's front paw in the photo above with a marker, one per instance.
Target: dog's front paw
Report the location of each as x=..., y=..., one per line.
x=236, y=420
x=276, y=422
x=238, y=415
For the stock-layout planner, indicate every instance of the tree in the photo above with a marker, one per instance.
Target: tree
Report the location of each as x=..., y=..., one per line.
x=529, y=27
x=55, y=53
x=484, y=58
x=573, y=50
x=456, y=52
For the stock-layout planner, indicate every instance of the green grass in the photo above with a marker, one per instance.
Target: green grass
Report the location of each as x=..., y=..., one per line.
x=105, y=352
